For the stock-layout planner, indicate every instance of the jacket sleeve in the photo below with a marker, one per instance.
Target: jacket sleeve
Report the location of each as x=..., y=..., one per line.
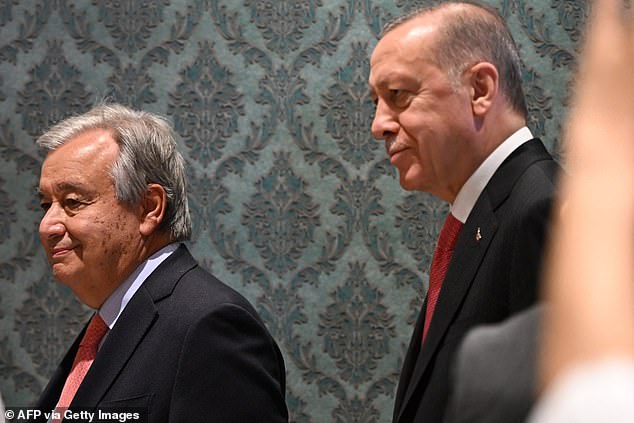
x=528, y=256
x=229, y=370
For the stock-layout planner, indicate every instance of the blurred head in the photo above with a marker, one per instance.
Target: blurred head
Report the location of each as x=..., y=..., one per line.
x=447, y=86
x=113, y=190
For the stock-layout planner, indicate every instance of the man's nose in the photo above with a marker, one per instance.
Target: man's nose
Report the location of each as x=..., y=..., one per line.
x=384, y=125
x=52, y=223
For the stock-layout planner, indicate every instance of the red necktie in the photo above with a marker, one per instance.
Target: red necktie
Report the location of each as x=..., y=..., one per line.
x=86, y=354
x=439, y=264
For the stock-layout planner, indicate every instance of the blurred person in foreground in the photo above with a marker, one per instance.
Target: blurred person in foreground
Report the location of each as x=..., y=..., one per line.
x=167, y=338
x=446, y=81
x=585, y=333
x=587, y=350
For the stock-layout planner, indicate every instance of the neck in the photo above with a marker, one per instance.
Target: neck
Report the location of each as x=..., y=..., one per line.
x=489, y=134
x=154, y=243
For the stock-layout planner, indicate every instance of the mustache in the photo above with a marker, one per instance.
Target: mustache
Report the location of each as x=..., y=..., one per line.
x=392, y=146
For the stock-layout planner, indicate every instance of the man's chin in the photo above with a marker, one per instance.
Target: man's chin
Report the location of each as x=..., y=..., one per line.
x=64, y=275
x=408, y=183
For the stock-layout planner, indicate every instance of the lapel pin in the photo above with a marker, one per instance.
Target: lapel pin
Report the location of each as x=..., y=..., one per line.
x=478, y=235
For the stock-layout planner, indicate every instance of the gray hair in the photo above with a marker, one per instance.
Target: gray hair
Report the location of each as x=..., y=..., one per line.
x=472, y=32
x=147, y=154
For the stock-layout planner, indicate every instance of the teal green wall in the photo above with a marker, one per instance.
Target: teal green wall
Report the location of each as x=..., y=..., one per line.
x=294, y=203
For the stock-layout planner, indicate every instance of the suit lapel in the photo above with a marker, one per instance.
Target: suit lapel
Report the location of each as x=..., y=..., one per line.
x=133, y=324
x=464, y=264
x=409, y=364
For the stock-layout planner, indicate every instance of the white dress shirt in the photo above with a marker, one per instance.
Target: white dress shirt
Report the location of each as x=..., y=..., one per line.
x=118, y=300
x=471, y=190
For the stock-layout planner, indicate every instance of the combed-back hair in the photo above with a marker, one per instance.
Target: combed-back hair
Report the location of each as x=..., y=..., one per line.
x=470, y=33
x=147, y=155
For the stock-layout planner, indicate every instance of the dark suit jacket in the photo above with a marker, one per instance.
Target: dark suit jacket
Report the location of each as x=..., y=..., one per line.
x=495, y=371
x=487, y=280
x=187, y=348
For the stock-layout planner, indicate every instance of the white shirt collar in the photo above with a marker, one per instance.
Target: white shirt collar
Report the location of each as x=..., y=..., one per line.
x=118, y=300
x=471, y=190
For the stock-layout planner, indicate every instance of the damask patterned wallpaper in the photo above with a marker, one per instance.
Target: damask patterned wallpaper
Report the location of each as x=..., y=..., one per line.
x=294, y=203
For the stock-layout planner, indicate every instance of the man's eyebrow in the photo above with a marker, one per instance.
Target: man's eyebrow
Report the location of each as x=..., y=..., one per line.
x=78, y=187
x=72, y=186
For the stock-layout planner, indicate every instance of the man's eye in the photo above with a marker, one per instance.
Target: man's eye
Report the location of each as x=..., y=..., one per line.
x=45, y=206
x=399, y=97
x=72, y=203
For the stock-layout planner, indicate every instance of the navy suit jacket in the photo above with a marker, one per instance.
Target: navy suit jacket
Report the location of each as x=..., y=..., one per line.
x=187, y=348
x=489, y=278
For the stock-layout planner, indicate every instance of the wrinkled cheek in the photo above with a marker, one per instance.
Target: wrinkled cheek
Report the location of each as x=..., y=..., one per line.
x=116, y=242
x=105, y=245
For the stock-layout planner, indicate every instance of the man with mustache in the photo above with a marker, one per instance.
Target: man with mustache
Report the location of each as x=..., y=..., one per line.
x=446, y=81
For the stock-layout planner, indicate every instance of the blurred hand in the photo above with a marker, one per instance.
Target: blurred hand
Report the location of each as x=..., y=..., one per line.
x=589, y=278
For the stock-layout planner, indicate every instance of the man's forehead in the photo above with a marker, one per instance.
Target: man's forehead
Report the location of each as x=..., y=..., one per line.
x=381, y=79
x=416, y=28
x=69, y=184
x=94, y=148
x=81, y=165
x=398, y=64
x=92, y=140
x=407, y=43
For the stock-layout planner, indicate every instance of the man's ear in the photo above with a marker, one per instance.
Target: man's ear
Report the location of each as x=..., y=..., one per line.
x=153, y=206
x=484, y=83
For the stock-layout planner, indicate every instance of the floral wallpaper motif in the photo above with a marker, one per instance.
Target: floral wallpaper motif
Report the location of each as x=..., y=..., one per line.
x=282, y=22
x=348, y=109
x=205, y=107
x=281, y=217
x=53, y=92
x=38, y=323
x=294, y=204
x=121, y=18
x=356, y=327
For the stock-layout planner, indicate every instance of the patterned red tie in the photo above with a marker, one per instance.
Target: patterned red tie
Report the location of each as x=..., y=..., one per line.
x=439, y=264
x=86, y=354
